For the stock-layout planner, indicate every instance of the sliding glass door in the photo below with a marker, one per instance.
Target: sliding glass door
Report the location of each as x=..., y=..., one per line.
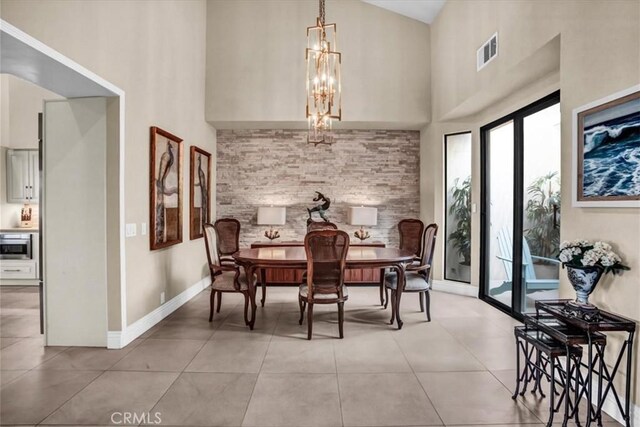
x=520, y=209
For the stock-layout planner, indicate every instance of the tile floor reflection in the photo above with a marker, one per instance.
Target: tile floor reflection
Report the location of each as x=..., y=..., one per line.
x=455, y=370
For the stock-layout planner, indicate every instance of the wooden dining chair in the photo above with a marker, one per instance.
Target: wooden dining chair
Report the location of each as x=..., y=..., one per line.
x=411, y=232
x=417, y=277
x=320, y=225
x=326, y=252
x=228, y=239
x=224, y=277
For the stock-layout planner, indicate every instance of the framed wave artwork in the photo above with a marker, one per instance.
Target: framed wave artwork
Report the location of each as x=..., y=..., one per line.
x=606, y=151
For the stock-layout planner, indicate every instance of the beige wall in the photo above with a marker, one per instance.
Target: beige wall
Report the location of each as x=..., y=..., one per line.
x=256, y=66
x=587, y=50
x=155, y=52
x=20, y=103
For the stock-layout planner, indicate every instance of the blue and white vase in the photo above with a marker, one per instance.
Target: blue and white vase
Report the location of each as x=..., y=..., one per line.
x=584, y=280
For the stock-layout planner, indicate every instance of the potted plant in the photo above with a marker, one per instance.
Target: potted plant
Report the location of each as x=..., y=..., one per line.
x=543, y=231
x=586, y=262
x=460, y=209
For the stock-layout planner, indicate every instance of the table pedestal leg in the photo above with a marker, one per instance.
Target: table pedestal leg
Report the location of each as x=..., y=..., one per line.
x=263, y=282
x=251, y=283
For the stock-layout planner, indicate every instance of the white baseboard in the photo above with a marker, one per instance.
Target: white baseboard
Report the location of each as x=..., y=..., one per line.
x=457, y=288
x=119, y=339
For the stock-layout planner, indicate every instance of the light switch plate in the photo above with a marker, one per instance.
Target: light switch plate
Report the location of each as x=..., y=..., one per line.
x=474, y=207
x=143, y=228
x=130, y=230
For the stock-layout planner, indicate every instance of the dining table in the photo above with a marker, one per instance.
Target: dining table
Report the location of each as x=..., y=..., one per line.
x=295, y=257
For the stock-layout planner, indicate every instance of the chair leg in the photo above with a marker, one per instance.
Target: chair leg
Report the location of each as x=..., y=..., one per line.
x=310, y=321
x=427, y=300
x=386, y=297
x=302, y=307
x=382, y=293
x=421, y=302
x=263, y=281
x=341, y=318
x=219, y=302
x=246, y=307
x=212, y=302
x=393, y=306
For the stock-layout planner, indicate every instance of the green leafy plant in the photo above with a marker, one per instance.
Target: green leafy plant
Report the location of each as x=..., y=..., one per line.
x=460, y=209
x=543, y=233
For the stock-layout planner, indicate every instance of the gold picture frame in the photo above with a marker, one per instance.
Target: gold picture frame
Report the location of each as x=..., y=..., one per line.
x=165, y=189
x=199, y=192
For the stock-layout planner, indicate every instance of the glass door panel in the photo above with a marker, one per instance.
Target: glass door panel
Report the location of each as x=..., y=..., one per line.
x=500, y=150
x=541, y=206
x=521, y=207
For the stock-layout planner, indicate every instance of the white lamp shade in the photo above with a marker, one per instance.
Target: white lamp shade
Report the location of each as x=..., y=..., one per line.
x=272, y=215
x=363, y=216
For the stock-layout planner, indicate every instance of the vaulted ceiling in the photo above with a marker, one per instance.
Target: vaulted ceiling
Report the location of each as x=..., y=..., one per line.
x=421, y=10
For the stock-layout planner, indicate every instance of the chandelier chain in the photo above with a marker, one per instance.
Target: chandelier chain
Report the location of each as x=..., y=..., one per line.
x=322, y=12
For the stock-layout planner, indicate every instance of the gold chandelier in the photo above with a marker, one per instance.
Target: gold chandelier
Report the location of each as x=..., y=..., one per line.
x=324, y=100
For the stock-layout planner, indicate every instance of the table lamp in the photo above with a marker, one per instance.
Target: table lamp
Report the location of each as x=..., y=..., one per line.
x=272, y=215
x=362, y=216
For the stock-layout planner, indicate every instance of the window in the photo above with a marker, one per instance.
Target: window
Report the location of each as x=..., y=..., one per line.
x=457, y=251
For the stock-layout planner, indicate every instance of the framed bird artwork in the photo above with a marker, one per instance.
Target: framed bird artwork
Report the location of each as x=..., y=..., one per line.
x=165, y=190
x=199, y=192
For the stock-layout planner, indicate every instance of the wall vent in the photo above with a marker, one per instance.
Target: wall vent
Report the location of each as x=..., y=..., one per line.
x=488, y=51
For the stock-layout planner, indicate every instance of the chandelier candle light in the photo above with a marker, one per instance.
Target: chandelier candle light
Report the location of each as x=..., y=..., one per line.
x=324, y=100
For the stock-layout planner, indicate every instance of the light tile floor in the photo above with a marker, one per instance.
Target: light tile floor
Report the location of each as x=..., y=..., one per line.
x=456, y=370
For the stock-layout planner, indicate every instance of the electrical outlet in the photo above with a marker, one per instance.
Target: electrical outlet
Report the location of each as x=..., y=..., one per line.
x=130, y=230
x=161, y=297
x=143, y=228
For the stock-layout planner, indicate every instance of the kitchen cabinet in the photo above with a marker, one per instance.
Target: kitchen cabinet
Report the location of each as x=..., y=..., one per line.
x=18, y=269
x=23, y=176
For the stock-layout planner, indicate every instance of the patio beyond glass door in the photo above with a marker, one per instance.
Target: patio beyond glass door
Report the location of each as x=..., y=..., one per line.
x=500, y=185
x=541, y=206
x=521, y=207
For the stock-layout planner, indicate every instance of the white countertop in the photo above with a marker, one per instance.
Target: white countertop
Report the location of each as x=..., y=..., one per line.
x=19, y=230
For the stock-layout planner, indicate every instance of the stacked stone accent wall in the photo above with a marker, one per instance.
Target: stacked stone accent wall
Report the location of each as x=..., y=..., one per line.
x=379, y=168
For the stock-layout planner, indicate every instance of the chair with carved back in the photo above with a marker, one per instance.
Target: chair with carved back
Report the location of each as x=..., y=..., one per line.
x=326, y=252
x=224, y=277
x=228, y=234
x=411, y=232
x=417, y=277
x=320, y=225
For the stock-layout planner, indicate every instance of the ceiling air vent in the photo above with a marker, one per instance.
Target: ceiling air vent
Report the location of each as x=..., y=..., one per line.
x=488, y=51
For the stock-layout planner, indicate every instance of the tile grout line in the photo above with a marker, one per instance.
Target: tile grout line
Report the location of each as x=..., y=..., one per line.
x=335, y=363
x=244, y=416
x=419, y=382
x=461, y=342
x=74, y=395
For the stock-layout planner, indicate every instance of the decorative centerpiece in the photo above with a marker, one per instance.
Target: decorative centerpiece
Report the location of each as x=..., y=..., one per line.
x=321, y=209
x=362, y=234
x=272, y=234
x=586, y=262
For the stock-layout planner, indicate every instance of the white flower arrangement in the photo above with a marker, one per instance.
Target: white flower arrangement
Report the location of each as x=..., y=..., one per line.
x=582, y=253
